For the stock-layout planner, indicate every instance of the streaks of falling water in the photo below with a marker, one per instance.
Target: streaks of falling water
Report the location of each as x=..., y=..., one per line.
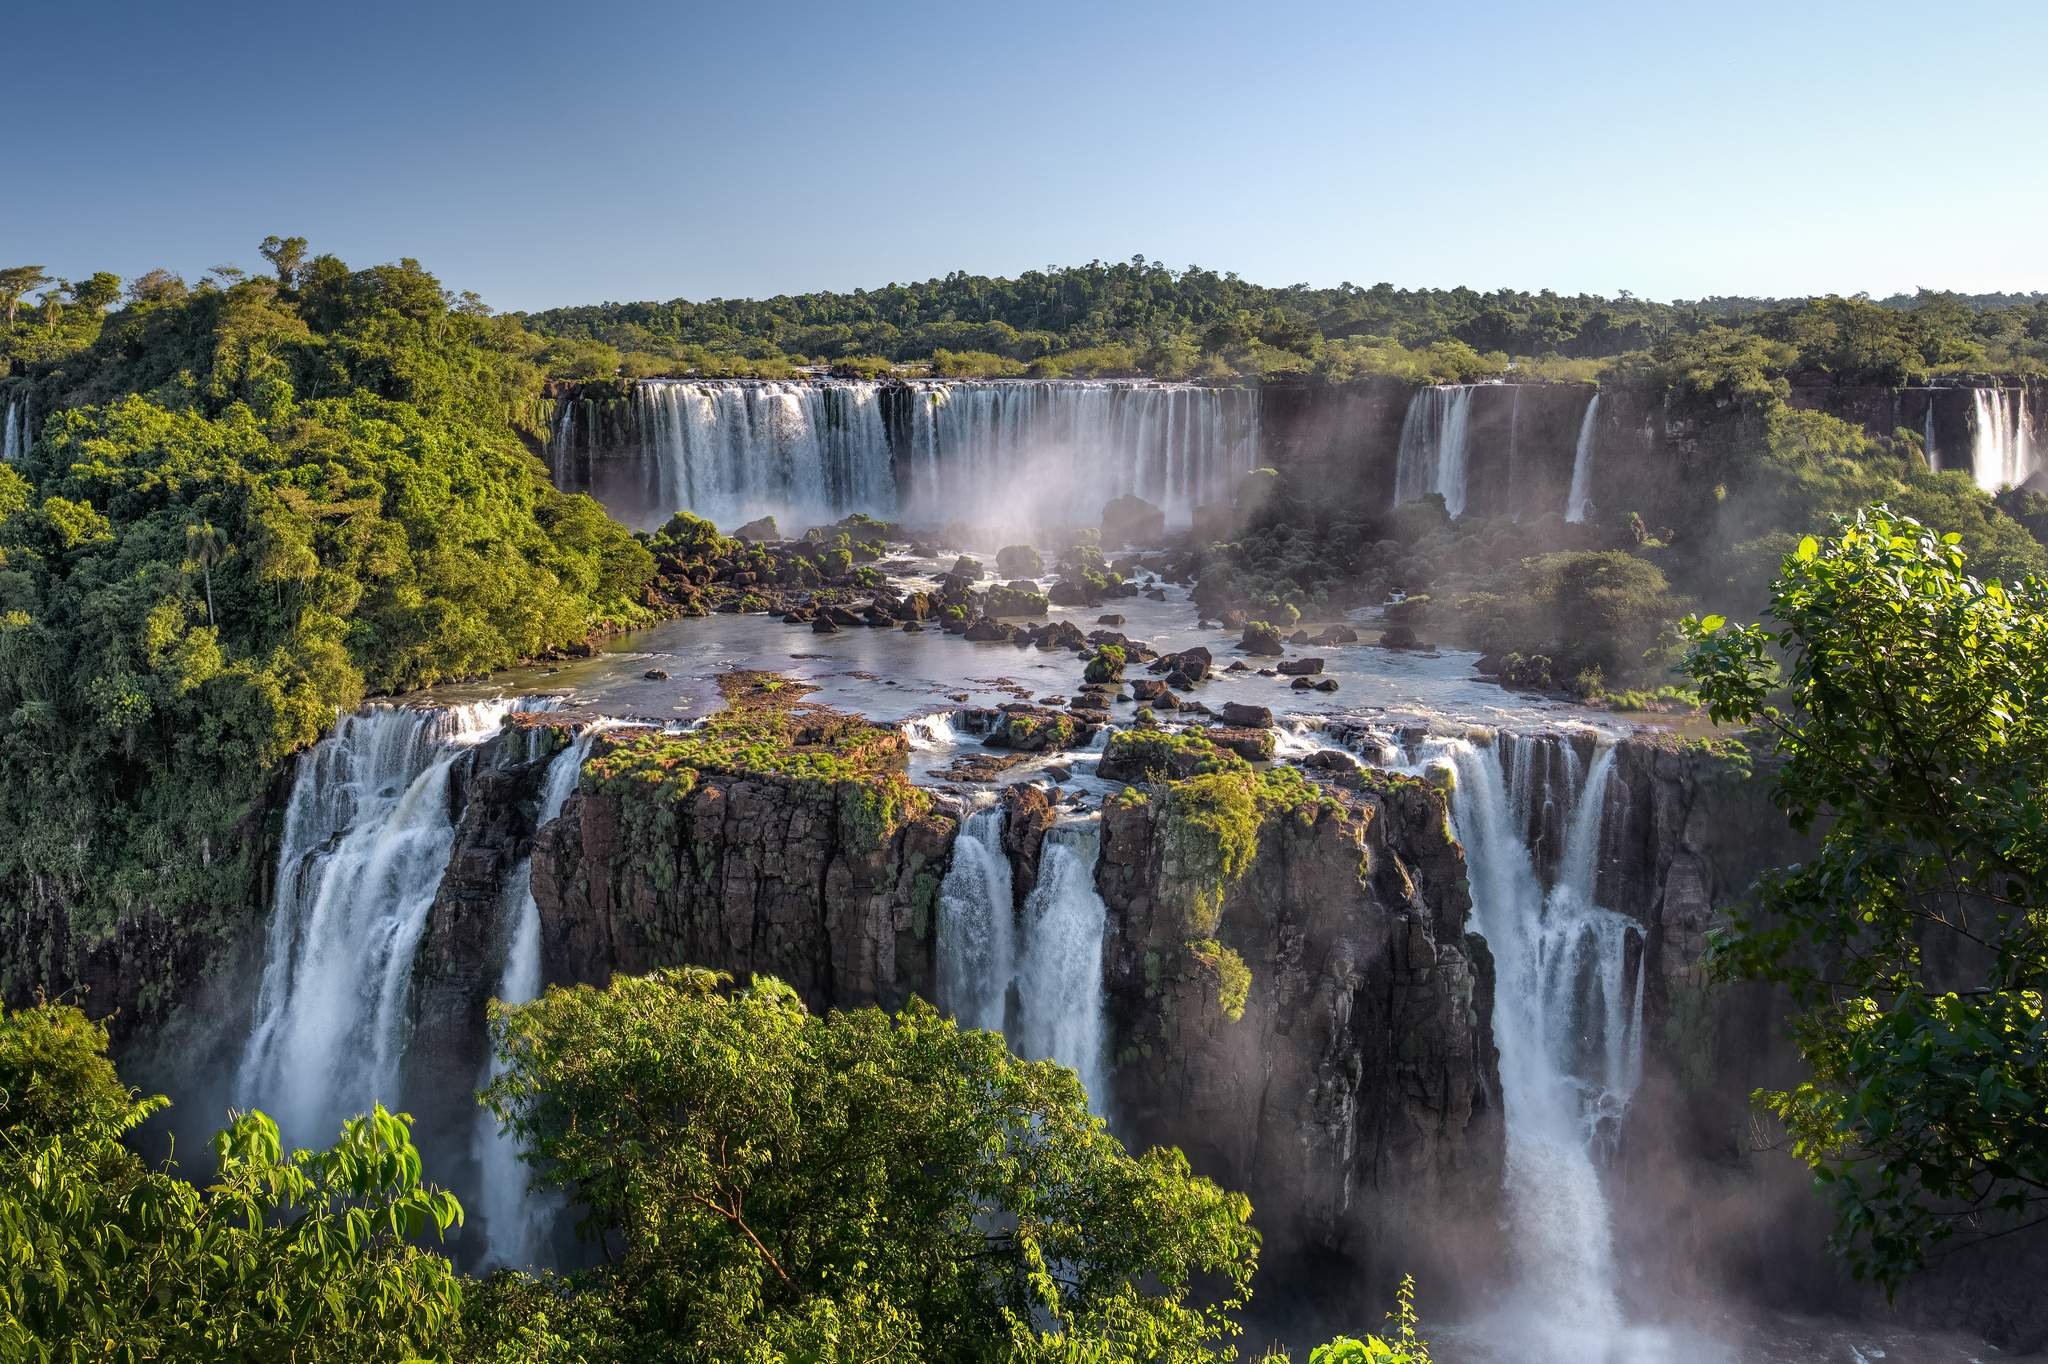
x=1053, y=960
x=1431, y=458
x=515, y=1220
x=1582, y=464
x=1053, y=452
x=977, y=925
x=1567, y=1021
x=366, y=837
x=2002, y=440
x=1059, y=976
x=999, y=452
x=15, y=437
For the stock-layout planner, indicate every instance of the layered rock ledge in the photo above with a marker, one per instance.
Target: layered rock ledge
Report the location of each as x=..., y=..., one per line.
x=779, y=837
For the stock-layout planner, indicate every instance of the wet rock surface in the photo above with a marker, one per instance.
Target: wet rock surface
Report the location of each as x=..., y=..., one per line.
x=1358, y=1093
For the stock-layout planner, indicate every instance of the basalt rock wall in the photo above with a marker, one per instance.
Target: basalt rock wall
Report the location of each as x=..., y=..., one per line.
x=747, y=874
x=1707, y=1200
x=1356, y=1099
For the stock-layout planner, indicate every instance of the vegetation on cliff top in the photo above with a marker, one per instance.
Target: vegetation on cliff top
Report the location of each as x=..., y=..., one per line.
x=1209, y=805
x=249, y=504
x=767, y=730
x=1906, y=701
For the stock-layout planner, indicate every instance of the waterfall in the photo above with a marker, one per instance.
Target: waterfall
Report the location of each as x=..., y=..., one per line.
x=1059, y=977
x=367, y=833
x=1927, y=437
x=2002, y=441
x=1567, y=1021
x=732, y=450
x=515, y=1220
x=1582, y=464
x=1001, y=452
x=1431, y=458
x=14, y=440
x=561, y=440
x=1052, y=452
x=977, y=950
x=1054, y=961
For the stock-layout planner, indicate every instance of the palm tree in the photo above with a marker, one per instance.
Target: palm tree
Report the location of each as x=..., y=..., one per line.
x=206, y=546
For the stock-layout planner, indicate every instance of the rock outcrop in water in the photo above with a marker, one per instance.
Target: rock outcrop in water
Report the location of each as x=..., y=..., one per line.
x=780, y=838
x=1319, y=1033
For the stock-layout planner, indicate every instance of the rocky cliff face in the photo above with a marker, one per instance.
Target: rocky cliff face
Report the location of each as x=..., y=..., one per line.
x=1707, y=1202
x=1704, y=1205
x=684, y=849
x=1348, y=1083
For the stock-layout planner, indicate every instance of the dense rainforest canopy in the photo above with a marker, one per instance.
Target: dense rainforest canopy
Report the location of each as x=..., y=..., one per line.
x=245, y=506
x=1139, y=317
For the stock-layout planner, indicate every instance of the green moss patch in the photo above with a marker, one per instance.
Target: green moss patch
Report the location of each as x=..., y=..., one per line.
x=1233, y=978
x=768, y=731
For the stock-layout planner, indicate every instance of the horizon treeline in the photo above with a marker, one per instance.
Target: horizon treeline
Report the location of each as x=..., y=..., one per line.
x=1138, y=317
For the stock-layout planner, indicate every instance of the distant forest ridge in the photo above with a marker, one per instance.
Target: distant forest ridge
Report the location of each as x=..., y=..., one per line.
x=1139, y=317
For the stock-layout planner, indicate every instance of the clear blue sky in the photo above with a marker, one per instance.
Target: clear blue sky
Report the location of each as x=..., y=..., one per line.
x=571, y=153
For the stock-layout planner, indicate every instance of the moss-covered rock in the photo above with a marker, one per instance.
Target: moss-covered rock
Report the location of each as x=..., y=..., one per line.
x=1262, y=640
x=1019, y=561
x=779, y=837
x=1015, y=599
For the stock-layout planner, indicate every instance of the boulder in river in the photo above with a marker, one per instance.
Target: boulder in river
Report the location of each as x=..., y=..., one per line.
x=1019, y=561
x=1132, y=521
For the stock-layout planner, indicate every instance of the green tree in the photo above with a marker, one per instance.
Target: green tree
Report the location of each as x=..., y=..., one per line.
x=1911, y=712
x=303, y=1256
x=286, y=255
x=97, y=293
x=156, y=286
x=764, y=1180
x=15, y=283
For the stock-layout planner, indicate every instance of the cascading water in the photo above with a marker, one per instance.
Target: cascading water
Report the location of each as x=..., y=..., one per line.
x=1582, y=464
x=561, y=440
x=1432, y=452
x=1009, y=452
x=1059, y=976
x=1054, y=961
x=515, y=1220
x=1052, y=452
x=367, y=834
x=2002, y=444
x=977, y=929
x=732, y=450
x=1927, y=439
x=1567, y=1021
x=15, y=436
